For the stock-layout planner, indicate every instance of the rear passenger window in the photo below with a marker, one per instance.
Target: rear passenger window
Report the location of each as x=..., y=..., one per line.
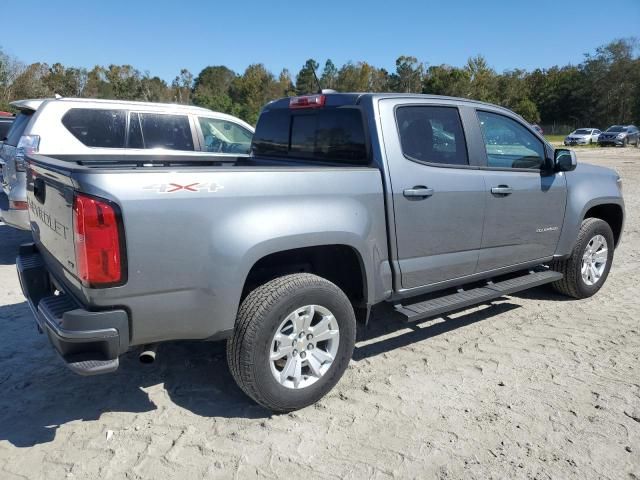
x=166, y=131
x=97, y=128
x=432, y=135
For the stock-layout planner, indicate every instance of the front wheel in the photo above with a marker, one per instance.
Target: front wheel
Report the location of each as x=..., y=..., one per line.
x=586, y=270
x=293, y=339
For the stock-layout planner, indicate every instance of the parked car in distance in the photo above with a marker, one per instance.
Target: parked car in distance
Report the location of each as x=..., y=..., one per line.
x=416, y=205
x=107, y=127
x=621, y=135
x=537, y=128
x=582, y=136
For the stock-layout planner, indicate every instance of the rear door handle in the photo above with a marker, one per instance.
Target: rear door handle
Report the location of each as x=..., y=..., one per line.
x=502, y=190
x=421, y=192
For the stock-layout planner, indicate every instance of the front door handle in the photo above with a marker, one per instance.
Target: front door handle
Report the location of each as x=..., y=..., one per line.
x=421, y=192
x=502, y=190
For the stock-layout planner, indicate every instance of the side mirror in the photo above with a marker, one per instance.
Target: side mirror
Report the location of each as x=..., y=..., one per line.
x=564, y=160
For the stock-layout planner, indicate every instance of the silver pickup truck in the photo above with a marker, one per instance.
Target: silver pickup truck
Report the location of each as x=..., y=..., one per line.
x=412, y=204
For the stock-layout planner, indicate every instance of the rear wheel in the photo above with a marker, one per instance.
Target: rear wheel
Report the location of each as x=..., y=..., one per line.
x=586, y=270
x=293, y=339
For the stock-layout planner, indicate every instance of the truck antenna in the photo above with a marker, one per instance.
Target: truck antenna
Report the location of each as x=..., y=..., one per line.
x=316, y=79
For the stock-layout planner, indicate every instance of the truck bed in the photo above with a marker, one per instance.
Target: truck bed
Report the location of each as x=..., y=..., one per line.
x=193, y=229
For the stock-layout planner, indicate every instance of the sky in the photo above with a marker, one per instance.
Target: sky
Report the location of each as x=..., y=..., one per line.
x=162, y=37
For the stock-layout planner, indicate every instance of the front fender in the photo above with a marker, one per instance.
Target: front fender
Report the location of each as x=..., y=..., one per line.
x=588, y=186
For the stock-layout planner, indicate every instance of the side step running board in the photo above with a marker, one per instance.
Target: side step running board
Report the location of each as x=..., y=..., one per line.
x=466, y=298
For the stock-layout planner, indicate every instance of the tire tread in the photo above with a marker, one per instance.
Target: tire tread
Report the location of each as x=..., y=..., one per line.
x=254, y=307
x=568, y=285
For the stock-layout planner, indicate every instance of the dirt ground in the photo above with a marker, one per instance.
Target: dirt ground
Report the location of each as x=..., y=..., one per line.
x=533, y=386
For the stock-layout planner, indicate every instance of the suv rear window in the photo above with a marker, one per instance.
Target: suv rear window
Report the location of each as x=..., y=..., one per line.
x=96, y=127
x=330, y=135
x=17, y=128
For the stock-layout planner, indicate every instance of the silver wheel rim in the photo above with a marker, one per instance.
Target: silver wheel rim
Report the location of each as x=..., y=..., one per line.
x=594, y=260
x=304, y=346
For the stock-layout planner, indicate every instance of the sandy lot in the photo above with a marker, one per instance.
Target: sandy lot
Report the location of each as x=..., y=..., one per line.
x=533, y=386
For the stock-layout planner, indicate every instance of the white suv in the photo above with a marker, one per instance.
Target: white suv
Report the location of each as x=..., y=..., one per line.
x=74, y=126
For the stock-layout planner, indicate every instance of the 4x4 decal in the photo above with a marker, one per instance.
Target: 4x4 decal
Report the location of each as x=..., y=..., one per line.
x=177, y=187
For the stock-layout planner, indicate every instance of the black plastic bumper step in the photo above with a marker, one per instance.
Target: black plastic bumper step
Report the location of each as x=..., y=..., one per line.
x=466, y=298
x=93, y=367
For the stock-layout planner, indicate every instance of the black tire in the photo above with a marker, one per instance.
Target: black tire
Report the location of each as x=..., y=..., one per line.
x=260, y=315
x=572, y=284
x=625, y=142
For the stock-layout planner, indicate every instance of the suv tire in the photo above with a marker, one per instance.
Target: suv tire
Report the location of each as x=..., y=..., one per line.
x=587, y=268
x=281, y=318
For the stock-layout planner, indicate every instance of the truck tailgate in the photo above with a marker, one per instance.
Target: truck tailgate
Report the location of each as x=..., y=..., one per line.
x=50, y=199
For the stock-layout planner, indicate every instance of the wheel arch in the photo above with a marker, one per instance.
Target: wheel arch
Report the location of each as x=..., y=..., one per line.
x=612, y=213
x=340, y=263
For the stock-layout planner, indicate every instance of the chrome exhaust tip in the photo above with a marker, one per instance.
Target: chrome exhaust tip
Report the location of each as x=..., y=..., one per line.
x=148, y=354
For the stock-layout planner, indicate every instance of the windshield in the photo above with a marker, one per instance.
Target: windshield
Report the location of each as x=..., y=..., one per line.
x=616, y=129
x=582, y=131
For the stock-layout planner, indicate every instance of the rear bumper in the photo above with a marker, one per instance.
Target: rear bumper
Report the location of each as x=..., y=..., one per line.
x=88, y=342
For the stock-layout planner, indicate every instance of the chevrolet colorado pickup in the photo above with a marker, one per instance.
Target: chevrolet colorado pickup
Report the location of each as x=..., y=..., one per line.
x=348, y=202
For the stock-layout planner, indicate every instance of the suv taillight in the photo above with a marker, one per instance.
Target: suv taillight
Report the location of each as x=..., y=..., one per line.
x=27, y=145
x=99, y=257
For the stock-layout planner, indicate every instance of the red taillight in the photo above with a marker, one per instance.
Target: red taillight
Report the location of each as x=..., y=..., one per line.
x=97, y=242
x=18, y=205
x=308, y=101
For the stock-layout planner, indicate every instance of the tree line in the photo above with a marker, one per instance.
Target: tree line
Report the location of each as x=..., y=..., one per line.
x=601, y=90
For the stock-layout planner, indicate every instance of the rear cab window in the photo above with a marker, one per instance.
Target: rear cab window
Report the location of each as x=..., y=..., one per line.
x=329, y=134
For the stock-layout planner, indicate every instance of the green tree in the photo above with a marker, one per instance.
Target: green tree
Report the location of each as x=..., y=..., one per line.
x=154, y=89
x=211, y=88
x=329, y=76
x=253, y=89
x=408, y=76
x=182, y=86
x=306, y=80
x=446, y=80
x=482, y=80
x=125, y=82
x=285, y=87
x=29, y=83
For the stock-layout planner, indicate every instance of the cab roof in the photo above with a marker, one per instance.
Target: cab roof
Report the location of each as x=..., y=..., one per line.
x=335, y=99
